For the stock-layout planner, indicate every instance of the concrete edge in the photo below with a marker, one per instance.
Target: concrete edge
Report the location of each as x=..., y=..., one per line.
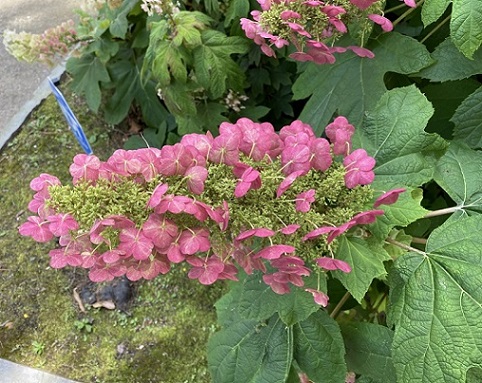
x=38, y=96
x=16, y=373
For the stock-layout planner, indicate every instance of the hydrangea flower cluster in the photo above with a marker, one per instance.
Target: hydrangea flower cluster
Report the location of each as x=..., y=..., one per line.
x=250, y=198
x=53, y=44
x=314, y=26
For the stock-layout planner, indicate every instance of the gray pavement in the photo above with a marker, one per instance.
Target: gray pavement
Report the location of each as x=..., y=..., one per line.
x=22, y=87
x=15, y=373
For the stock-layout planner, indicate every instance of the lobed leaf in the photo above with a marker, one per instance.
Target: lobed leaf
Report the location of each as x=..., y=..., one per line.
x=249, y=351
x=400, y=214
x=468, y=120
x=366, y=261
x=251, y=298
x=432, y=10
x=458, y=173
x=436, y=305
x=318, y=348
x=88, y=72
x=466, y=26
x=353, y=84
x=368, y=350
x=450, y=64
x=394, y=135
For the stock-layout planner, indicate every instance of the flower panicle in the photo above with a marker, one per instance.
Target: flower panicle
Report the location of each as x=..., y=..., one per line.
x=313, y=27
x=199, y=202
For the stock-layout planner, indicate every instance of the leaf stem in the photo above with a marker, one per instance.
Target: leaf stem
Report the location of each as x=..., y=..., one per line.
x=422, y=241
x=406, y=13
x=405, y=247
x=403, y=5
x=447, y=210
x=340, y=304
x=440, y=25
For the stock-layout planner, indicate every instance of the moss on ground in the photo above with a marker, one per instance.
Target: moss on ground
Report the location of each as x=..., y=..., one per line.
x=160, y=338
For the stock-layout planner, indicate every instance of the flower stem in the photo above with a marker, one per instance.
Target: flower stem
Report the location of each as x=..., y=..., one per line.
x=340, y=304
x=440, y=25
x=447, y=210
x=406, y=13
x=404, y=246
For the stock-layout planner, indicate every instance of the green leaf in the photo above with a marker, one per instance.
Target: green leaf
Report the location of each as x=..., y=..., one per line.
x=319, y=349
x=236, y=10
x=468, y=120
x=450, y=64
x=251, y=298
x=466, y=25
x=394, y=135
x=153, y=112
x=433, y=9
x=249, y=351
x=458, y=172
x=215, y=70
x=366, y=260
x=87, y=73
x=354, y=84
x=368, y=350
x=436, y=306
x=126, y=80
x=402, y=213
x=178, y=99
x=119, y=25
x=446, y=98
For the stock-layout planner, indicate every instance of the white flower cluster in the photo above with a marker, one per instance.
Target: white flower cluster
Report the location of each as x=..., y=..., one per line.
x=160, y=7
x=234, y=100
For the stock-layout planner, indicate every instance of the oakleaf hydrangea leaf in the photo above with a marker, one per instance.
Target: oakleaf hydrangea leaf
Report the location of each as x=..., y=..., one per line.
x=450, y=64
x=87, y=72
x=433, y=9
x=250, y=351
x=215, y=69
x=394, y=135
x=402, y=213
x=468, y=120
x=319, y=348
x=369, y=350
x=366, y=261
x=436, y=306
x=458, y=172
x=353, y=85
x=466, y=25
x=253, y=299
x=465, y=22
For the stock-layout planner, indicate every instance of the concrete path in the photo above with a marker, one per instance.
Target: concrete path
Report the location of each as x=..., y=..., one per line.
x=20, y=82
x=22, y=88
x=15, y=373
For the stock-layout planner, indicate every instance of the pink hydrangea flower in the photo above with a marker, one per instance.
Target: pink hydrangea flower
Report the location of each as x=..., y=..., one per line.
x=304, y=200
x=329, y=263
x=192, y=241
x=196, y=176
x=37, y=228
x=386, y=24
x=340, y=132
x=61, y=224
x=287, y=182
x=134, y=242
x=359, y=169
x=319, y=297
x=363, y=4
x=389, y=197
x=85, y=167
x=207, y=272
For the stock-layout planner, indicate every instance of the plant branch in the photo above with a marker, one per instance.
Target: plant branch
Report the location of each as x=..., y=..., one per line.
x=404, y=246
x=440, y=25
x=340, y=304
x=447, y=210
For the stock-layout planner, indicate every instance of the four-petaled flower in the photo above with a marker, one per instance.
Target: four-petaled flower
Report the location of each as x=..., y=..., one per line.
x=359, y=168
